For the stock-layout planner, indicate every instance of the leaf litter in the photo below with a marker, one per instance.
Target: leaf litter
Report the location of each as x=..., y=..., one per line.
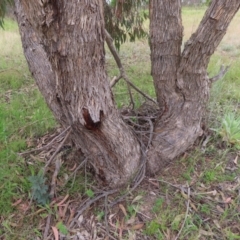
x=220, y=197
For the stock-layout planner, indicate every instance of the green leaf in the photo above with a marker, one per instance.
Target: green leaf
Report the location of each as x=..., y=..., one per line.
x=62, y=228
x=90, y=193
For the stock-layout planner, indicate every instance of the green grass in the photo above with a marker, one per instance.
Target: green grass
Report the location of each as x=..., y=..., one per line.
x=23, y=115
x=24, y=118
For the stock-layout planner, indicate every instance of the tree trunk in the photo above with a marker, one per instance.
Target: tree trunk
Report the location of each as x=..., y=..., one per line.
x=63, y=42
x=181, y=81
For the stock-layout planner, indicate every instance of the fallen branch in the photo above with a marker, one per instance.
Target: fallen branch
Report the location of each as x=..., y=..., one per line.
x=57, y=150
x=46, y=146
x=106, y=216
x=87, y=204
x=160, y=180
x=137, y=180
x=220, y=75
x=9, y=69
x=74, y=173
x=121, y=69
x=186, y=215
x=45, y=235
x=115, y=80
x=54, y=178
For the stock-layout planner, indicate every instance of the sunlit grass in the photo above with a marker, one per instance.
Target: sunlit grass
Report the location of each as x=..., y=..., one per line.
x=23, y=115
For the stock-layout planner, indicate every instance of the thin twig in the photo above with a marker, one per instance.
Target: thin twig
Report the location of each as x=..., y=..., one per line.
x=120, y=199
x=110, y=236
x=151, y=133
x=131, y=97
x=45, y=235
x=115, y=80
x=73, y=174
x=119, y=64
x=54, y=178
x=205, y=142
x=121, y=68
x=138, y=90
x=9, y=69
x=87, y=204
x=106, y=215
x=160, y=180
x=137, y=180
x=46, y=146
x=220, y=75
x=56, y=152
x=186, y=215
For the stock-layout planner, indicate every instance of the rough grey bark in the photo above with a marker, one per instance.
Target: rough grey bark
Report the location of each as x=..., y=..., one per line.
x=181, y=80
x=63, y=42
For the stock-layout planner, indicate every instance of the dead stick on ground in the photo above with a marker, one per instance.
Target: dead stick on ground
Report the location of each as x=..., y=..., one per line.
x=138, y=179
x=106, y=215
x=54, y=178
x=159, y=180
x=46, y=146
x=110, y=236
x=45, y=235
x=74, y=173
x=186, y=215
x=121, y=69
x=87, y=204
x=56, y=152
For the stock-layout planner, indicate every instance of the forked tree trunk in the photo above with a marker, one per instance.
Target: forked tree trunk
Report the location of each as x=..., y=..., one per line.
x=181, y=80
x=63, y=43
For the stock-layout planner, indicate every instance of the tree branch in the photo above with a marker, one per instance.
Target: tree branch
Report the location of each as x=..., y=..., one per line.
x=223, y=70
x=204, y=41
x=121, y=69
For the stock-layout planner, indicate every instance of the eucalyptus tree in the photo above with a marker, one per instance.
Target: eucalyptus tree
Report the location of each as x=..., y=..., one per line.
x=63, y=42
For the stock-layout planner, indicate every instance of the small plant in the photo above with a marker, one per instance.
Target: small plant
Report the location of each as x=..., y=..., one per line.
x=39, y=189
x=153, y=228
x=90, y=193
x=175, y=225
x=62, y=228
x=157, y=205
x=209, y=176
x=132, y=210
x=230, y=129
x=204, y=208
x=100, y=215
